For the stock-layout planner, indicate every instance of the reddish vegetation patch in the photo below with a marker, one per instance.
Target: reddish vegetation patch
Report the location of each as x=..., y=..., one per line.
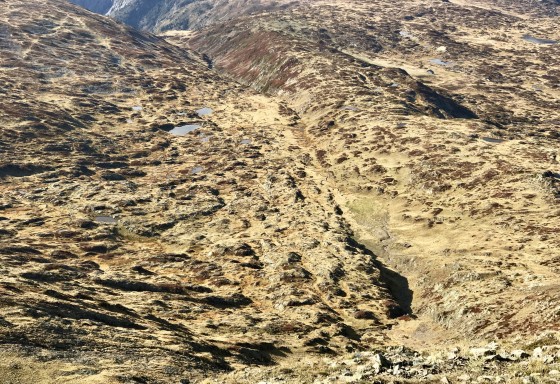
x=258, y=58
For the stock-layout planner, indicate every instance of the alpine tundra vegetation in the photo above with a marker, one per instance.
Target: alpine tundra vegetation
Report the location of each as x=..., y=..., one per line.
x=276, y=191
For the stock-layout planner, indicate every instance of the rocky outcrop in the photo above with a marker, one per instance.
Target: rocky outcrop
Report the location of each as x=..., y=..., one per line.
x=97, y=6
x=159, y=16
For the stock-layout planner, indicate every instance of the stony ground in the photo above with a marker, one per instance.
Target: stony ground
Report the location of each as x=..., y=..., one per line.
x=359, y=213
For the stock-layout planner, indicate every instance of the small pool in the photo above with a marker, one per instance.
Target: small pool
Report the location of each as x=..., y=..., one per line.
x=137, y=108
x=492, y=140
x=204, y=111
x=105, y=219
x=196, y=170
x=246, y=141
x=440, y=62
x=184, y=129
x=536, y=40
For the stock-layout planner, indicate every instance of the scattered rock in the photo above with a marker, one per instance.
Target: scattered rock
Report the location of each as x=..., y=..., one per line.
x=482, y=352
x=379, y=363
x=519, y=354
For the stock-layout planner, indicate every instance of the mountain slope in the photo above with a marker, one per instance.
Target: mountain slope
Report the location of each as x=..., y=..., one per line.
x=415, y=120
x=240, y=250
x=155, y=257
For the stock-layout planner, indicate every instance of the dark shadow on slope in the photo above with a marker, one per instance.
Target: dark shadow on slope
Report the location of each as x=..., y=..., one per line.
x=439, y=104
x=400, y=290
x=259, y=353
x=394, y=282
x=22, y=170
x=444, y=106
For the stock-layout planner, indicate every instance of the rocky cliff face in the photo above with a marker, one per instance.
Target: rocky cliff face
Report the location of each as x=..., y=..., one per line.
x=97, y=6
x=158, y=16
